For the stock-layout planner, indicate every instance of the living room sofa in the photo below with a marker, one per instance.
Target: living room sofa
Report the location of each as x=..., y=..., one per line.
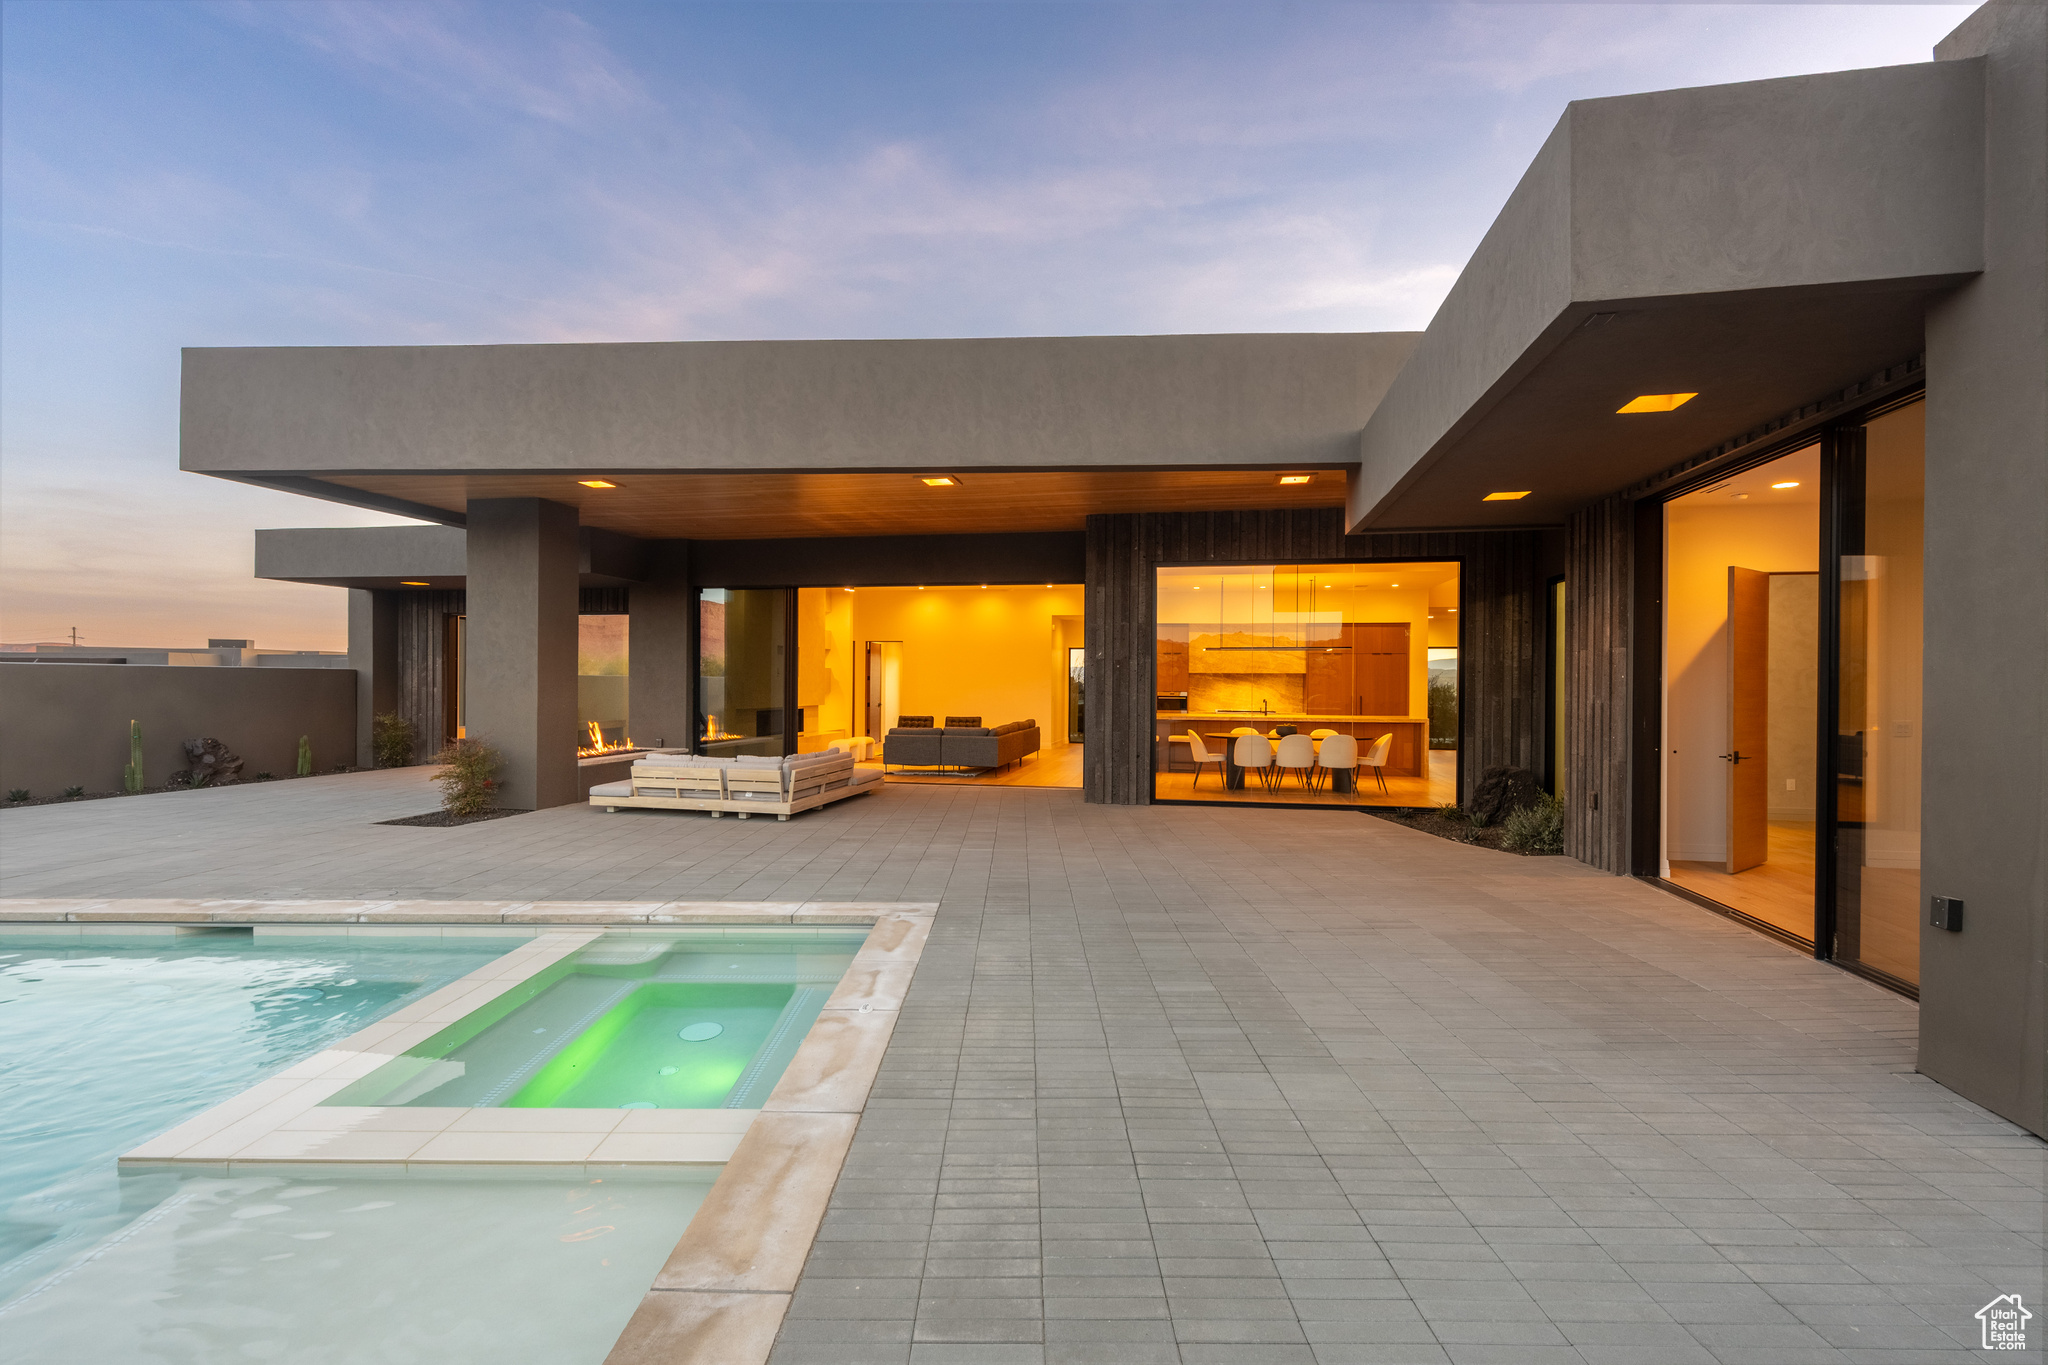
x=960, y=746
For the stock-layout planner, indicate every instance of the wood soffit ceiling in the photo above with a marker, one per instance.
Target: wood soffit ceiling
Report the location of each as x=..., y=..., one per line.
x=729, y=506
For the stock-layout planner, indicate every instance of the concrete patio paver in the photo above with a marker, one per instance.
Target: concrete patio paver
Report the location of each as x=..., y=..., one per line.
x=1214, y=1085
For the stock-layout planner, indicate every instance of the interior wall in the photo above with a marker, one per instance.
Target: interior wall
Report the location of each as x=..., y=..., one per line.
x=1700, y=543
x=973, y=650
x=1067, y=634
x=1794, y=696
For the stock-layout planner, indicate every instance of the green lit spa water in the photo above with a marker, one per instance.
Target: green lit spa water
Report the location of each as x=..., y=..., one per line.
x=631, y=1022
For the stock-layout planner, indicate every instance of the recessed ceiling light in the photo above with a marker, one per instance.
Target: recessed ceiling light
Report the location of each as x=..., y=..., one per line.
x=941, y=481
x=849, y=589
x=1297, y=478
x=414, y=583
x=1506, y=497
x=597, y=483
x=1789, y=483
x=1656, y=402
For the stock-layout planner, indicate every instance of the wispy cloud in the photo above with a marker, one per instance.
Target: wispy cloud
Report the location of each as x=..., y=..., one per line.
x=380, y=172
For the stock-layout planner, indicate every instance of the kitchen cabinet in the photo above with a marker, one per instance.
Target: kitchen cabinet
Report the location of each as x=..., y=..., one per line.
x=1173, y=664
x=1380, y=669
x=1327, y=689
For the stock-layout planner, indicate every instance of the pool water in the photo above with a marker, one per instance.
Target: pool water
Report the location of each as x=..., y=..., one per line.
x=338, y=1271
x=105, y=1043
x=701, y=1021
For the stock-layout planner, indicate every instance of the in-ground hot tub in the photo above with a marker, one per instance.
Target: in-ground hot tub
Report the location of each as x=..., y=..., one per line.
x=630, y=1022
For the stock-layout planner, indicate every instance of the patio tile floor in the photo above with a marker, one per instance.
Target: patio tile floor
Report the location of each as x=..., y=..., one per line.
x=1212, y=1085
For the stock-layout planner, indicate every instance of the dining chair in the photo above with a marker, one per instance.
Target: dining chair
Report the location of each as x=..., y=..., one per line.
x=1243, y=730
x=1199, y=752
x=1254, y=752
x=1339, y=754
x=1297, y=755
x=1376, y=759
x=1319, y=736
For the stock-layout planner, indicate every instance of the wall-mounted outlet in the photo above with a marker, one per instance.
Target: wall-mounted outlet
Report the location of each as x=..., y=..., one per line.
x=1945, y=912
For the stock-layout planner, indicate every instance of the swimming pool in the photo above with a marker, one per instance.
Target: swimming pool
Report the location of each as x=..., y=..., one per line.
x=106, y=1042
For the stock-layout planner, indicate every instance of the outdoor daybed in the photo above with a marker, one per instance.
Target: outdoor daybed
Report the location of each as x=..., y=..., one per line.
x=745, y=786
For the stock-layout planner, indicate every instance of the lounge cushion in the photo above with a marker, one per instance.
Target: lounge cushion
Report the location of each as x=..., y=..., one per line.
x=965, y=730
x=612, y=789
x=866, y=777
x=757, y=761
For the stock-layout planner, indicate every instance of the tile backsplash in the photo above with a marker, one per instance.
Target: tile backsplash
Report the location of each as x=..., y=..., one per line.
x=1244, y=691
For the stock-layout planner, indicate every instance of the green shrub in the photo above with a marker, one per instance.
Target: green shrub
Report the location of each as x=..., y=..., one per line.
x=17, y=793
x=465, y=778
x=74, y=791
x=264, y=777
x=1535, y=829
x=1443, y=714
x=392, y=740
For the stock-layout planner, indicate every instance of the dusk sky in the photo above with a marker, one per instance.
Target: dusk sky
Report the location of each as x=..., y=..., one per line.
x=369, y=173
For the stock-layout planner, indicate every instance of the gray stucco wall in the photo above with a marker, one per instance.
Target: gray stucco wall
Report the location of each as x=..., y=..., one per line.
x=787, y=405
x=67, y=724
x=1808, y=183
x=1984, y=991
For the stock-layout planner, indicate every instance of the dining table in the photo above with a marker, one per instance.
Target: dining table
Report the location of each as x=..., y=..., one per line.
x=1341, y=779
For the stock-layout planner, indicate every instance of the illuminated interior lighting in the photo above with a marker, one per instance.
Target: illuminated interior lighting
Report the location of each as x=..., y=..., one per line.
x=1657, y=402
x=414, y=583
x=597, y=483
x=1789, y=483
x=941, y=481
x=1506, y=497
x=1297, y=478
x=849, y=589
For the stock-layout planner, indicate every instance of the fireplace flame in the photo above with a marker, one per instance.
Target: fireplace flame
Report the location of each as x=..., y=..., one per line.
x=597, y=744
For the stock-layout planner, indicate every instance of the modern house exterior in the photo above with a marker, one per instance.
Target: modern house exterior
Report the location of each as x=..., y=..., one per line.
x=1728, y=453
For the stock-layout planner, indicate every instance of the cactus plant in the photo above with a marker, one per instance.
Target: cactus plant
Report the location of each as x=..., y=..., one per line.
x=131, y=776
x=305, y=756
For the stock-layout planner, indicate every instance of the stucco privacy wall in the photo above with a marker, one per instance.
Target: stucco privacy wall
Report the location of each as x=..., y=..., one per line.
x=1984, y=991
x=1048, y=402
x=1729, y=189
x=67, y=724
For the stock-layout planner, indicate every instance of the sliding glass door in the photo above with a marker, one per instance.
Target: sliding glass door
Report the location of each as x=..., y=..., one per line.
x=743, y=647
x=1790, y=763
x=1878, y=476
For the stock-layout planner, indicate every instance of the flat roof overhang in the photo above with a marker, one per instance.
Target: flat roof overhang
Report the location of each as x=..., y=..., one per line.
x=1552, y=428
x=1761, y=245
x=745, y=505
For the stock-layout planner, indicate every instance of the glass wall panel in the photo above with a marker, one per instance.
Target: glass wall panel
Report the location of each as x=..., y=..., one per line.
x=1742, y=657
x=742, y=637
x=1877, y=745
x=1250, y=657
x=601, y=709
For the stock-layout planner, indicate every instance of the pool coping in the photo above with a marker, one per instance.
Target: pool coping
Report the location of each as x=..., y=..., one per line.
x=721, y=1297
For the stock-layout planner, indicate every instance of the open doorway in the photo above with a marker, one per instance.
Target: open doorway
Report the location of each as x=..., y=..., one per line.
x=945, y=683
x=1742, y=639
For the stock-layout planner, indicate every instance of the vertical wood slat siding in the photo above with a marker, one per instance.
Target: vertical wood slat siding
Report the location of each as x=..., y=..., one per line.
x=423, y=664
x=1599, y=571
x=1503, y=627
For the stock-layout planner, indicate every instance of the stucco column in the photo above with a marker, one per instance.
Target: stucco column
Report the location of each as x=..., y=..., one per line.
x=659, y=664
x=521, y=685
x=373, y=654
